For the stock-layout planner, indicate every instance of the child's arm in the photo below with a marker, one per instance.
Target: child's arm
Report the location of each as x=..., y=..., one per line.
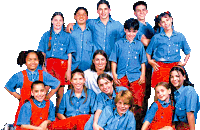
x=152, y=62
x=32, y=127
x=96, y=117
x=52, y=92
x=145, y=41
x=15, y=94
x=191, y=120
x=61, y=116
x=145, y=125
x=43, y=66
x=68, y=72
x=185, y=61
x=44, y=124
x=113, y=68
x=69, y=27
x=142, y=77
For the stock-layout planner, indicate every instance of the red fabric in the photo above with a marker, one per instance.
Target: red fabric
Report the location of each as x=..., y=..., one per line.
x=162, y=75
x=39, y=115
x=138, y=91
x=26, y=91
x=162, y=118
x=71, y=123
x=183, y=126
x=57, y=68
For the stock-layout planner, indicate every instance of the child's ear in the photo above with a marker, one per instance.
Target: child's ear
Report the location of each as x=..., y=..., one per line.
x=31, y=93
x=170, y=91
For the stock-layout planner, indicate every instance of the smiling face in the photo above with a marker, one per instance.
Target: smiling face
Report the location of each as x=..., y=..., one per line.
x=122, y=107
x=103, y=11
x=57, y=23
x=177, y=79
x=166, y=22
x=99, y=62
x=38, y=92
x=140, y=12
x=106, y=86
x=130, y=34
x=78, y=81
x=163, y=93
x=81, y=17
x=32, y=61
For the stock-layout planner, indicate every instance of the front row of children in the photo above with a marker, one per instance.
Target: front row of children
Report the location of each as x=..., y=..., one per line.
x=177, y=102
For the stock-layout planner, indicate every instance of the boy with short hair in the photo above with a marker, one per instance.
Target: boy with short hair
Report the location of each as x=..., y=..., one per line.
x=128, y=58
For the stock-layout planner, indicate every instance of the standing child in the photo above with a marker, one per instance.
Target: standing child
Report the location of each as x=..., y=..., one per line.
x=24, y=79
x=186, y=99
x=165, y=48
x=82, y=36
x=128, y=58
x=160, y=113
x=37, y=113
x=77, y=103
x=56, y=48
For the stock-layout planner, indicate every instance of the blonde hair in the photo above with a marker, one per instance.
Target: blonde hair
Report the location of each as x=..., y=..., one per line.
x=127, y=98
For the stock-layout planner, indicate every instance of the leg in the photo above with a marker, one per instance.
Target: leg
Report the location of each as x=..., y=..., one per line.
x=59, y=96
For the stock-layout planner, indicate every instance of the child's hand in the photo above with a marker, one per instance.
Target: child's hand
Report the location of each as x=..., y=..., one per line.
x=70, y=27
x=182, y=63
x=141, y=80
x=68, y=75
x=96, y=127
x=116, y=80
x=44, y=68
x=167, y=128
x=154, y=65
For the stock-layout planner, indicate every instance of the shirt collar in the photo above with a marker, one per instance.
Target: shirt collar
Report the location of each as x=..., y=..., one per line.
x=163, y=102
x=39, y=104
x=127, y=41
x=32, y=72
x=162, y=32
x=60, y=33
x=116, y=113
x=82, y=94
x=76, y=26
x=106, y=96
x=110, y=19
x=180, y=90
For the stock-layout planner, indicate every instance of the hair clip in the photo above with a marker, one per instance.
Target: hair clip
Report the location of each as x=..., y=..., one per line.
x=157, y=16
x=167, y=12
x=50, y=38
x=178, y=66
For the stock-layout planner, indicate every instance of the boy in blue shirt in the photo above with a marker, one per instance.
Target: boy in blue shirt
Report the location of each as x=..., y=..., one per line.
x=82, y=36
x=128, y=58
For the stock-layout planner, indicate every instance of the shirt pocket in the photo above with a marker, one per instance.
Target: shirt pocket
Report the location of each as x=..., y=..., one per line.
x=84, y=109
x=175, y=48
x=180, y=110
x=88, y=50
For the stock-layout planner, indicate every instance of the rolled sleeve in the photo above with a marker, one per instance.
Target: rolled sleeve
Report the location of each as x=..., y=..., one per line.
x=51, y=116
x=50, y=80
x=62, y=105
x=24, y=114
x=151, y=113
x=16, y=81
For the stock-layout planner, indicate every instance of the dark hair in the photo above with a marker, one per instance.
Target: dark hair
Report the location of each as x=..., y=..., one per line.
x=103, y=2
x=51, y=28
x=72, y=88
x=131, y=24
x=79, y=8
x=158, y=19
x=103, y=53
x=107, y=76
x=23, y=54
x=36, y=83
x=184, y=73
x=139, y=3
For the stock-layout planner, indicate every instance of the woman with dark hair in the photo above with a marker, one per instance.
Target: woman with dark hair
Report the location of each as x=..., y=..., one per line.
x=100, y=65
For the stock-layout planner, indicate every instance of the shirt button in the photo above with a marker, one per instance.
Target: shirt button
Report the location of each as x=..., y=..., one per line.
x=169, y=45
x=61, y=49
x=129, y=52
x=53, y=49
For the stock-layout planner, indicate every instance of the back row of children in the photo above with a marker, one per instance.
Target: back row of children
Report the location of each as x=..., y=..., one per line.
x=124, y=46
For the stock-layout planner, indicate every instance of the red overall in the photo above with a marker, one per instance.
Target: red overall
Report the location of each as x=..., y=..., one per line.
x=162, y=118
x=39, y=115
x=183, y=126
x=26, y=91
x=162, y=75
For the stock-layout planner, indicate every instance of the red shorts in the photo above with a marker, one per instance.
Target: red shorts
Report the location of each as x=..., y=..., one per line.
x=183, y=126
x=75, y=122
x=57, y=68
x=162, y=75
x=138, y=91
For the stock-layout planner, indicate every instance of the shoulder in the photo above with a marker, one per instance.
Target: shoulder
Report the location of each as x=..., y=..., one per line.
x=88, y=71
x=46, y=34
x=154, y=106
x=27, y=105
x=121, y=88
x=190, y=90
x=91, y=92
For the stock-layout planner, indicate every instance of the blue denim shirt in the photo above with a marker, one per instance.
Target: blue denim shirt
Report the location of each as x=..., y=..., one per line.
x=105, y=36
x=129, y=57
x=78, y=108
x=147, y=30
x=60, y=45
x=26, y=112
x=167, y=49
x=85, y=47
x=187, y=100
x=17, y=80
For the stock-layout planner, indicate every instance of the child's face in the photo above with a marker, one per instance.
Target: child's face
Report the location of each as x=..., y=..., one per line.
x=103, y=11
x=130, y=34
x=163, y=93
x=99, y=62
x=166, y=22
x=81, y=17
x=177, y=79
x=38, y=92
x=57, y=22
x=140, y=12
x=32, y=61
x=106, y=86
x=77, y=82
x=122, y=107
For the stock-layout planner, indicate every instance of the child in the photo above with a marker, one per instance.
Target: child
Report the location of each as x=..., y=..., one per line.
x=24, y=78
x=77, y=103
x=160, y=113
x=140, y=11
x=186, y=99
x=128, y=57
x=82, y=37
x=107, y=95
x=56, y=47
x=37, y=113
x=165, y=48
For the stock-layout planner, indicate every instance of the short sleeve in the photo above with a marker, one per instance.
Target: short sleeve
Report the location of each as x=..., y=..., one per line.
x=50, y=80
x=62, y=106
x=100, y=102
x=106, y=114
x=191, y=101
x=16, y=81
x=151, y=113
x=51, y=116
x=185, y=46
x=24, y=114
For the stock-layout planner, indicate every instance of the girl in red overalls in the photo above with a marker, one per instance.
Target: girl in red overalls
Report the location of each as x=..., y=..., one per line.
x=160, y=113
x=37, y=113
x=24, y=79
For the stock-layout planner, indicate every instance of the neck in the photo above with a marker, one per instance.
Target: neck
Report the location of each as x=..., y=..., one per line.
x=78, y=93
x=32, y=70
x=105, y=21
x=82, y=26
x=169, y=32
x=56, y=30
x=100, y=72
x=142, y=21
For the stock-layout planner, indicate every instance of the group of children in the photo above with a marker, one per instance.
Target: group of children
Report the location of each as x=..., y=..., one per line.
x=134, y=50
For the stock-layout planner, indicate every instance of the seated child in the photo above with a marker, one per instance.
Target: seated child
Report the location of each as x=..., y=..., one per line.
x=37, y=113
